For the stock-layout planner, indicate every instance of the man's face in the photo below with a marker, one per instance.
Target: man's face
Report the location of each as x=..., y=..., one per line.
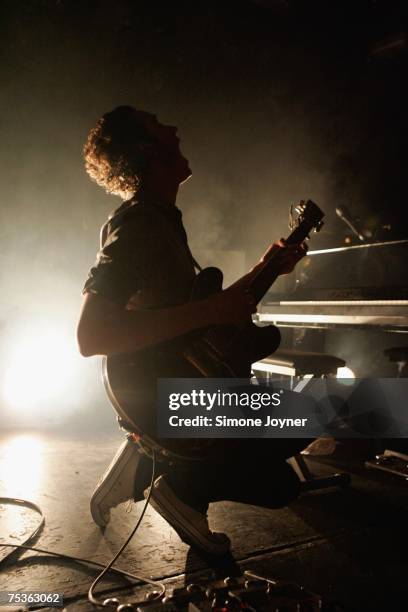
x=168, y=144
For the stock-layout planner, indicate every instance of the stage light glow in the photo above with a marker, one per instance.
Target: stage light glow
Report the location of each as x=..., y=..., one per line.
x=21, y=465
x=40, y=367
x=346, y=376
x=345, y=373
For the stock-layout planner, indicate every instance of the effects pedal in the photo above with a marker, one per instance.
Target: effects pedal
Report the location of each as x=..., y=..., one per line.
x=249, y=592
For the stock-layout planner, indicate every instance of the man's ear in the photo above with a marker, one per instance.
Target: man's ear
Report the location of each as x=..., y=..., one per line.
x=144, y=152
x=149, y=151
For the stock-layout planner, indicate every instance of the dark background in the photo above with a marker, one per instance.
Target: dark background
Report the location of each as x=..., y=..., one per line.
x=275, y=101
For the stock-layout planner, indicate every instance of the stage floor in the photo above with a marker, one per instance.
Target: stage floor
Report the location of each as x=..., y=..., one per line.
x=348, y=545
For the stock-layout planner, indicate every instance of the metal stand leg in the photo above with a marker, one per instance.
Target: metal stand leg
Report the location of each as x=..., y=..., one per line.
x=314, y=483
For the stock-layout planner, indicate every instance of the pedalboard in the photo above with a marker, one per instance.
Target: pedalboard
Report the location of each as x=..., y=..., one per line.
x=249, y=592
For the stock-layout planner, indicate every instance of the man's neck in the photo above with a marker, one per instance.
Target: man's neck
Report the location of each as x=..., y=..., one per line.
x=159, y=191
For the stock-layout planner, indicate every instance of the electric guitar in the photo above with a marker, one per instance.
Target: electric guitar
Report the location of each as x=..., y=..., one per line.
x=216, y=352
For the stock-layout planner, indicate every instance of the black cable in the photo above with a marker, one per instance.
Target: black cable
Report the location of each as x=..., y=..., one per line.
x=106, y=568
x=107, y=602
x=27, y=504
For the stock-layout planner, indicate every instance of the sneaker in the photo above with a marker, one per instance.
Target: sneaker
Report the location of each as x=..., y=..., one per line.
x=191, y=525
x=320, y=447
x=117, y=483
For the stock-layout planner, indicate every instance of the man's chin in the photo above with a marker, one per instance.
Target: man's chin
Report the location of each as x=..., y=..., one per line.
x=186, y=174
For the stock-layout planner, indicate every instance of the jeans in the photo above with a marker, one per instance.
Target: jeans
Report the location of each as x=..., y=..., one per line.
x=252, y=471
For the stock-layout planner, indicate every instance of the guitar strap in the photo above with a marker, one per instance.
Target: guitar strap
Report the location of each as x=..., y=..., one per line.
x=195, y=262
x=181, y=244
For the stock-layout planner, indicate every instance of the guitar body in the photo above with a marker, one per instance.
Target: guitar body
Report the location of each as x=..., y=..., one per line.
x=218, y=352
x=215, y=352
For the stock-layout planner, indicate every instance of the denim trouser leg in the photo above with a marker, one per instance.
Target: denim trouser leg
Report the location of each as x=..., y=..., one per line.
x=247, y=471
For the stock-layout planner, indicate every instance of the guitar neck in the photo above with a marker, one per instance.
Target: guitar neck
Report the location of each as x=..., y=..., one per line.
x=268, y=273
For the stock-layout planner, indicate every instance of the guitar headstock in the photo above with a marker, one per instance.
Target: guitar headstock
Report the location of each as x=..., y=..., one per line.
x=304, y=218
x=308, y=218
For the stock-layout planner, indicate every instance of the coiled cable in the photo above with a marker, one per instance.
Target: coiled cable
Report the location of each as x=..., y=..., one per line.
x=105, y=568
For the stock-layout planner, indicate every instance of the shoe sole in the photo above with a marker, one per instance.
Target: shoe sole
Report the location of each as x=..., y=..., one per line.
x=104, y=487
x=187, y=532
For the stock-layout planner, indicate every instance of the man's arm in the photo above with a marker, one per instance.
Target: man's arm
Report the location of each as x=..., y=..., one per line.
x=286, y=258
x=106, y=328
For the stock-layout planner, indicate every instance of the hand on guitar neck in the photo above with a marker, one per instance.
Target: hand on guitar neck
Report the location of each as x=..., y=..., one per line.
x=285, y=256
x=236, y=304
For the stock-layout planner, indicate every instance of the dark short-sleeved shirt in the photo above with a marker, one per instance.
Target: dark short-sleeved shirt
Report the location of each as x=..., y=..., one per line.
x=144, y=259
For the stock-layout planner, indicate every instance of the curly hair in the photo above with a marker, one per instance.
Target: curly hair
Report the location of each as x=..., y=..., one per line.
x=112, y=155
